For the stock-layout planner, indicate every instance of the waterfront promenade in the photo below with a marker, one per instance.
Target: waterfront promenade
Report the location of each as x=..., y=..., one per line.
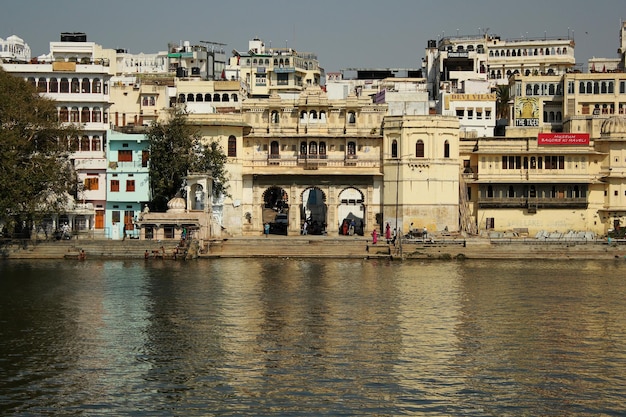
x=440, y=248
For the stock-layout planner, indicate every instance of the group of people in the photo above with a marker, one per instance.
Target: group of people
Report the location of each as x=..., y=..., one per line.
x=391, y=234
x=348, y=228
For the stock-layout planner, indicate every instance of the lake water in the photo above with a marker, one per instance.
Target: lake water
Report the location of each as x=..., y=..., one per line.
x=312, y=337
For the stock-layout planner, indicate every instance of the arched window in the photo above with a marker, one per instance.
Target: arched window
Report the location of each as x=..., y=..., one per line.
x=589, y=87
x=216, y=97
x=234, y=97
x=274, y=150
x=313, y=148
x=274, y=117
x=351, y=117
x=419, y=149
x=75, y=85
x=181, y=98
x=529, y=90
x=322, y=149
x=96, y=143
x=84, y=143
x=225, y=97
x=446, y=149
x=303, y=116
x=511, y=192
x=32, y=81
x=97, y=86
x=54, y=85
x=603, y=88
x=323, y=116
x=74, y=115
x=207, y=97
x=85, y=86
x=303, y=148
x=65, y=86
x=232, y=146
x=536, y=89
x=190, y=97
x=85, y=115
x=199, y=97
x=394, y=149
x=551, y=89
x=64, y=114
x=351, y=148
x=313, y=115
x=41, y=85
x=581, y=88
x=611, y=88
x=96, y=115
x=596, y=88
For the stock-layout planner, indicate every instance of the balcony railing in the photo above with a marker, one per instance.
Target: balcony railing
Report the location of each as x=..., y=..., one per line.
x=532, y=203
x=314, y=160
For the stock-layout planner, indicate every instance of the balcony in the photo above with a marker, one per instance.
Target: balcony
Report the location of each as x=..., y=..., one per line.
x=313, y=161
x=532, y=204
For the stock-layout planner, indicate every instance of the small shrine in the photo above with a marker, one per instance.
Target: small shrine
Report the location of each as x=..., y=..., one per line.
x=185, y=218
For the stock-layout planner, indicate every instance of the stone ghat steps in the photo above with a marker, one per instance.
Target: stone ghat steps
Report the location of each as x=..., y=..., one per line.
x=296, y=248
x=130, y=249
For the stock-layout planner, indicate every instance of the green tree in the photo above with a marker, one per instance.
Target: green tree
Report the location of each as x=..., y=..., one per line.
x=175, y=150
x=36, y=174
x=502, y=102
x=212, y=159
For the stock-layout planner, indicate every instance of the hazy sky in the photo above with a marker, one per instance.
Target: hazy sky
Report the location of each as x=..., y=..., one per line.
x=343, y=33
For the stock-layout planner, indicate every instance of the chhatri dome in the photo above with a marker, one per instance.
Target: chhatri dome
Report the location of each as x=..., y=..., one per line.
x=176, y=205
x=615, y=124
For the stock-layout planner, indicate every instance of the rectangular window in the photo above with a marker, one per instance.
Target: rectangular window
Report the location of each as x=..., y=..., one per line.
x=282, y=79
x=130, y=185
x=115, y=185
x=561, y=162
x=470, y=113
x=125, y=155
x=115, y=216
x=91, y=183
x=149, y=232
x=487, y=114
x=145, y=157
x=460, y=113
x=505, y=162
x=168, y=232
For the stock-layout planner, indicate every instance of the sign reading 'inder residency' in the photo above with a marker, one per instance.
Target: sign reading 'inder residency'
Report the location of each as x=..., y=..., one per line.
x=563, y=139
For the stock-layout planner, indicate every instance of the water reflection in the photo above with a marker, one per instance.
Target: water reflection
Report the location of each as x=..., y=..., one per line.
x=311, y=337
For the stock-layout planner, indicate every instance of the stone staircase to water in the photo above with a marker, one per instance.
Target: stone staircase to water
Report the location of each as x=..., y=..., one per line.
x=296, y=247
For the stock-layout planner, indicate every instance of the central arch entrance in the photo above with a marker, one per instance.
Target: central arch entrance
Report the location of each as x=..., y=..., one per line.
x=351, y=211
x=314, y=211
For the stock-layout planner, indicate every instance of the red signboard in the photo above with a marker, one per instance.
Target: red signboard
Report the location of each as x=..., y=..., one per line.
x=563, y=139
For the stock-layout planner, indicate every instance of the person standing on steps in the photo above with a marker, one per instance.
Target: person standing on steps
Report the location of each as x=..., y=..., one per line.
x=374, y=237
x=388, y=233
x=266, y=229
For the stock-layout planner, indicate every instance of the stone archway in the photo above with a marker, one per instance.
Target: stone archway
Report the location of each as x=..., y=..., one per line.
x=314, y=211
x=276, y=210
x=351, y=209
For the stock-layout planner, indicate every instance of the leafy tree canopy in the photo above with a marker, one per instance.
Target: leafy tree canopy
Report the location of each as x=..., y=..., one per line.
x=36, y=174
x=176, y=150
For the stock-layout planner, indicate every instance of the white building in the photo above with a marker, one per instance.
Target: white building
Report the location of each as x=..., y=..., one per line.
x=76, y=77
x=14, y=49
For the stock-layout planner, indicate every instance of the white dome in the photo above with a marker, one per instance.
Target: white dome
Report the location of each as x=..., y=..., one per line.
x=176, y=205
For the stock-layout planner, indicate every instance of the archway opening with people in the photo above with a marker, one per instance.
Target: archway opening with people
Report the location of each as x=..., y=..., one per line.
x=276, y=210
x=351, y=212
x=313, y=212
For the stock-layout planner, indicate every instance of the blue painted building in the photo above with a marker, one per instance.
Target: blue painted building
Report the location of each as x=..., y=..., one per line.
x=128, y=182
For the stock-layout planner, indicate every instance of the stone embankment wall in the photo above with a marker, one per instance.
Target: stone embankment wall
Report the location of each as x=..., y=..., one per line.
x=318, y=247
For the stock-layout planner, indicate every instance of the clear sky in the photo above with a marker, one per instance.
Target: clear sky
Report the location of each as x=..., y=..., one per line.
x=343, y=33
